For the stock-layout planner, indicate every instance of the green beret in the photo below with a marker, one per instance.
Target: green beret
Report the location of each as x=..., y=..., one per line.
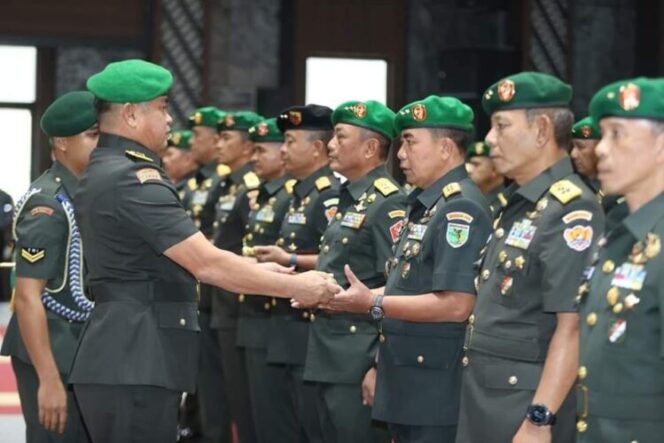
x=266, y=131
x=527, y=90
x=208, y=116
x=238, y=121
x=180, y=139
x=478, y=149
x=435, y=112
x=370, y=115
x=70, y=114
x=586, y=129
x=636, y=98
x=130, y=81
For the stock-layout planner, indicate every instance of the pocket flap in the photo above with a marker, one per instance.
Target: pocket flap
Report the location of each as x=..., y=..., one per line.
x=178, y=316
x=511, y=375
x=424, y=352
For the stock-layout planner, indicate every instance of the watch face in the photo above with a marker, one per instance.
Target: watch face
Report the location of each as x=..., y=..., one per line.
x=539, y=414
x=376, y=312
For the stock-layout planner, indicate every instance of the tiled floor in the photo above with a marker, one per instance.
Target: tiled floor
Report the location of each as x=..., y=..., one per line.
x=12, y=428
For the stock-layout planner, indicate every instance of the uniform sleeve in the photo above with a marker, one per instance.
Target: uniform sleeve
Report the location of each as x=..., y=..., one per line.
x=566, y=244
x=461, y=234
x=42, y=234
x=6, y=210
x=153, y=210
x=385, y=231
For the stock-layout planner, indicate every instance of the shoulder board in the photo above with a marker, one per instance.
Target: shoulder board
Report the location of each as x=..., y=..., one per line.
x=223, y=170
x=251, y=180
x=191, y=184
x=135, y=155
x=385, y=186
x=565, y=191
x=323, y=183
x=290, y=185
x=451, y=189
x=331, y=202
x=502, y=199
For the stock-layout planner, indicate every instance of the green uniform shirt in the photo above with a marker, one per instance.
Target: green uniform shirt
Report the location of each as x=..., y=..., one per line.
x=419, y=364
x=342, y=347
x=621, y=387
x=265, y=219
x=42, y=242
x=496, y=199
x=144, y=327
x=314, y=204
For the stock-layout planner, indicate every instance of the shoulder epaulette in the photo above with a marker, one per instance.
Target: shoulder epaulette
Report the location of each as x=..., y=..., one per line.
x=385, y=186
x=565, y=191
x=323, y=183
x=451, y=189
x=135, y=155
x=251, y=180
x=290, y=185
x=502, y=199
x=223, y=170
x=191, y=184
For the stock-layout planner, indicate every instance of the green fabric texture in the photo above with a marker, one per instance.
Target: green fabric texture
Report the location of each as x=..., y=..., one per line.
x=435, y=112
x=207, y=116
x=70, y=114
x=130, y=81
x=370, y=115
x=527, y=90
x=266, y=131
x=238, y=121
x=634, y=98
x=586, y=129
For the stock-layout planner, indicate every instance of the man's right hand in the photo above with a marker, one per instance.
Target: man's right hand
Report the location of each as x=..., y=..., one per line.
x=52, y=402
x=317, y=288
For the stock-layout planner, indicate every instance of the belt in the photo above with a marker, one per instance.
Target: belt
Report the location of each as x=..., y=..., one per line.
x=145, y=292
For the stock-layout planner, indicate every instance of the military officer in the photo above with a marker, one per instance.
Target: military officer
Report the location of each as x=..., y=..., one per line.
x=585, y=137
x=140, y=346
x=233, y=196
x=342, y=347
x=268, y=384
x=178, y=160
x=523, y=335
x=482, y=171
x=307, y=130
x=6, y=213
x=621, y=390
x=429, y=292
x=51, y=306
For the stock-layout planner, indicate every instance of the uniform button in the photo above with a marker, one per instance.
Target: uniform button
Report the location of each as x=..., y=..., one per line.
x=183, y=322
x=502, y=256
x=292, y=235
x=280, y=242
x=508, y=264
x=591, y=319
x=465, y=361
x=58, y=179
x=305, y=314
x=583, y=372
x=381, y=338
x=608, y=266
x=312, y=317
x=581, y=426
x=215, y=224
x=247, y=227
x=326, y=249
x=471, y=319
x=420, y=359
x=240, y=298
x=274, y=302
x=338, y=216
x=344, y=240
x=266, y=306
x=485, y=274
x=261, y=231
x=612, y=296
x=353, y=329
x=513, y=380
x=250, y=236
x=500, y=232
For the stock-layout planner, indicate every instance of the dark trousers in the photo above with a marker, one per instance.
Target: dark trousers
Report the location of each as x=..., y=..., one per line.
x=128, y=414
x=272, y=410
x=236, y=386
x=424, y=434
x=305, y=403
x=28, y=385
x=214, y=412
x=343, y=417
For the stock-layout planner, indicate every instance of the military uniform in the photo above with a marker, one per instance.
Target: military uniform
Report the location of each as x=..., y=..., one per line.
x=266, y=382
x=42, y=232
x=419, y=364
x=6, y=213
x=530, y=272
x=314, y=203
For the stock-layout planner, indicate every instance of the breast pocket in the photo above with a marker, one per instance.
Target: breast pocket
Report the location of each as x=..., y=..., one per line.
x=514, y=270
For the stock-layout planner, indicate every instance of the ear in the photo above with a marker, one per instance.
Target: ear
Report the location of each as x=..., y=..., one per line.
x=659, y=148
x=320, y=149
x=371, y=148
x=248, y=147
x=60, y=144
x=129, y=113
x=543, y=126
x=447, y=148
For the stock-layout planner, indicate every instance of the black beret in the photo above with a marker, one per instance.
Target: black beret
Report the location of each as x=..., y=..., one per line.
x=310, y=117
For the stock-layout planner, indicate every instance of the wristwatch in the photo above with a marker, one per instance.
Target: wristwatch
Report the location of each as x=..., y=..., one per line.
x=540, y=415
x=376, y=310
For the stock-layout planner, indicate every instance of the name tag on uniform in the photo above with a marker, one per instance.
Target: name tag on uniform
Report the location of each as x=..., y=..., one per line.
x=199, y=197
x=629, y=276
x=416, y=232
x=227, y=202
x=521, y=234
x=265, y=215
x=353, y=220
x=297, y=218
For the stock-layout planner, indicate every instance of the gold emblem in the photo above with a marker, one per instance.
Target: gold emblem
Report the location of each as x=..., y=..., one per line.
x=629, y=96
x=617, y=309
x=479, y=148
x=419, y=112
x=175, y=137
x=502, y=256
x=608, y=266
x=295, y=117
x=360, y=110
x=519, y=262
x=198, y=118
x=506, y=90
x=583, y=372
x=653, y=245
x=631, y=300
x=229, y=121
x=591, y=319
x=262, y=129
x=612, y=296
x=405, y=270
x=581, y=426
x=586, y=131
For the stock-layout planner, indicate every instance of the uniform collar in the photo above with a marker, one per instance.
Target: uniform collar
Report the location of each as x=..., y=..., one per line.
x=645, y=218
x=120, y=142
x=493, y=194
x=273, y=186
x=534, y=189
x=185, y=178
x=360, y=186
x=429, y=196
x=238, y=175
x=69, y=181
x=207, y=171
x=304, y=187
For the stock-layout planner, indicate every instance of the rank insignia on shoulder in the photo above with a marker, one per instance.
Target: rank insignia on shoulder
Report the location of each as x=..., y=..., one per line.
x=33, y=255
x=323, y=183
x=191, y=184
x=385, y=186
x=502, y=199
x=565, y=191
x=251, y=180
x=37, y=210
x=290, y=185
x=451, y=189
x=223, y=170
x=146, y=174
x=397, y=213
x=135, y=155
